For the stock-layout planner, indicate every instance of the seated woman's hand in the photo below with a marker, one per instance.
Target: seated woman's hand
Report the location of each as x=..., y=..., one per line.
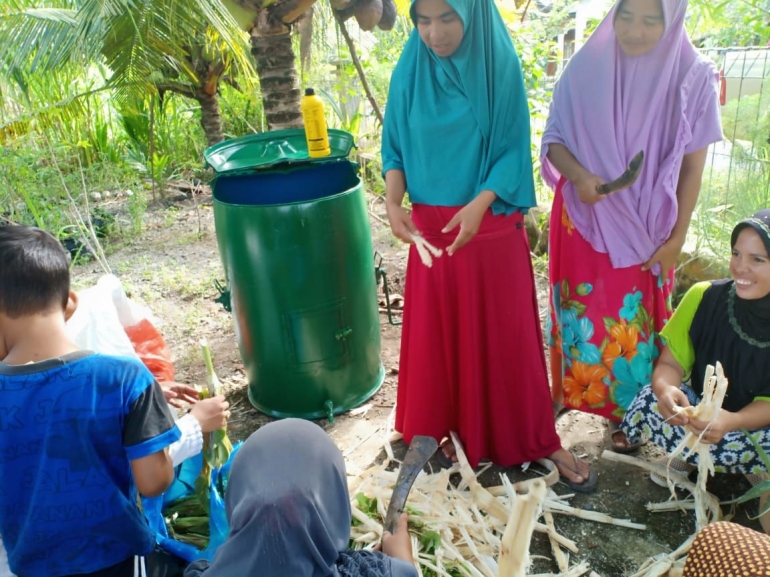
x=713, y=432
x=400, y=544
x=669, y=399
x=400, y=222
x=586, y=188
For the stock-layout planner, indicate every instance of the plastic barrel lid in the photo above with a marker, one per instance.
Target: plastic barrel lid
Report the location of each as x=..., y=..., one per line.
x=268, y=149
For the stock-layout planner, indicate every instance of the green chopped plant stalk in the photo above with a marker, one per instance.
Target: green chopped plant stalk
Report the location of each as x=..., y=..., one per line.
x=219, y=446
x=211, y=376
x=430, y=540
x=187, y=521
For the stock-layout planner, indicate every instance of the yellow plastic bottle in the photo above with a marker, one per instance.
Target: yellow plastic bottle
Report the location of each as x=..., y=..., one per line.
x=315, y=125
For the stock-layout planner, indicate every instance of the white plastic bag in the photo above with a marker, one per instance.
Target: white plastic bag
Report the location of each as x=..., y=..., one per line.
x=5, y=570
x=97, y=325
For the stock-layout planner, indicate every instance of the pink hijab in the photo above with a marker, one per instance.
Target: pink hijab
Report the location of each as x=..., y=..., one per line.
x=608, y=106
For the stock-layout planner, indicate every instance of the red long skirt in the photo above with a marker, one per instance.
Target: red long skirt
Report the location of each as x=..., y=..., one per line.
x=472, y=357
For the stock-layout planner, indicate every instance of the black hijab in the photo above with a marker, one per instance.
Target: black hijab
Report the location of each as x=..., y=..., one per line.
x=754, y=315
x=735, y=332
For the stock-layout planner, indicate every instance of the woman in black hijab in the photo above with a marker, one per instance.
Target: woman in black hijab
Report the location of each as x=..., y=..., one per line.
x=726, y=321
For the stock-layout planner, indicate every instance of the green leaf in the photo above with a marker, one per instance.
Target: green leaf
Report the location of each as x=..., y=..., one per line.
x=431, y=541
x=609, y=322
x=760, y=451
x=604, y=344
x=756, y=491
x=564, y=290
x=367, y=505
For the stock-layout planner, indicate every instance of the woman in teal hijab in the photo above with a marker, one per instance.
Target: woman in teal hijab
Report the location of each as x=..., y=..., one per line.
x=456, y=137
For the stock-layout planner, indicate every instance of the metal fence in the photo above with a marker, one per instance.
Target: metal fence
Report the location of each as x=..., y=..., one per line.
x=736, y=181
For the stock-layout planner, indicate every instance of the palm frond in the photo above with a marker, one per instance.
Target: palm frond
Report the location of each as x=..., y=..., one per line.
x=37, y=39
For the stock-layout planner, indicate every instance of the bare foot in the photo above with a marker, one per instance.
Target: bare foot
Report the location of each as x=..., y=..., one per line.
x=448, y=448
x=574, y=469
x=620, y=440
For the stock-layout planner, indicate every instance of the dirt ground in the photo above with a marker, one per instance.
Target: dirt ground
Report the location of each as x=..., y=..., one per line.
x=172, y=269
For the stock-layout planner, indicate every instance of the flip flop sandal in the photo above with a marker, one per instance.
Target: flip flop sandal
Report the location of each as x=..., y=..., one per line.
x=587, y=486
x=613, y=427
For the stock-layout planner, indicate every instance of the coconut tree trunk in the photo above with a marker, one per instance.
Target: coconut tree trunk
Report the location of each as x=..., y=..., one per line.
x=210, y=119
x=277, y=70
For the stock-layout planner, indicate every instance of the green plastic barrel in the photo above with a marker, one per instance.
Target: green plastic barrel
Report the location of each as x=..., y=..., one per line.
x=295, y=243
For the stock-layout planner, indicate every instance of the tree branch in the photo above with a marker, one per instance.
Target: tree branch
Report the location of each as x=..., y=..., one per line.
x=359, y=68
x=177, y=87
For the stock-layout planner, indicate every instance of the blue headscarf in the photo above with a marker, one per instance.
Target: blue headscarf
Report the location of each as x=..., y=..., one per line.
x=460, y=125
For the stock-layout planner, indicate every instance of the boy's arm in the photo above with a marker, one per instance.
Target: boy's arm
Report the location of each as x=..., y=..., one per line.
x=153, y=474
x=148, y=430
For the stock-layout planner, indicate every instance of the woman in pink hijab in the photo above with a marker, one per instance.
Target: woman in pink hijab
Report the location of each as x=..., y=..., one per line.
x=638, y=84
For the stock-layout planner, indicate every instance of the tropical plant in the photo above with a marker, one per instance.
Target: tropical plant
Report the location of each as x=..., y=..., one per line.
x=729, y=22
x=146, y=45
x=761, y=489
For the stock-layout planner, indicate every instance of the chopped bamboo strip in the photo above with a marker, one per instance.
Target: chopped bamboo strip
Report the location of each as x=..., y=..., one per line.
x=465, y=529
x=558, y=554
x=714, y=390
x=710, y=501
x=673, y=505
x=558, y=507
x=514, y=552
x=660, y=566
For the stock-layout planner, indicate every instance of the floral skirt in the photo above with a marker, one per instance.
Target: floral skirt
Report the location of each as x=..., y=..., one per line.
x=603, y=322
x=733, y=454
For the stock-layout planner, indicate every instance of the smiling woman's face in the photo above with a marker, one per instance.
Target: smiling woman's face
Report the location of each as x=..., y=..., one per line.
x=750, y=266
x=439, y=26
x=639, y=25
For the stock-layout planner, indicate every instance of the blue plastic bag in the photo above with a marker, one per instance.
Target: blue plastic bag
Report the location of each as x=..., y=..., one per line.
x=184, y=486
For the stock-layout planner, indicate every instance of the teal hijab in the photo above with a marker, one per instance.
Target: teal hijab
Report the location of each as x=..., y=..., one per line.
x=460, y=125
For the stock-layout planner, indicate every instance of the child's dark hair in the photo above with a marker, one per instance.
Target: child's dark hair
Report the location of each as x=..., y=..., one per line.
x=34, y=271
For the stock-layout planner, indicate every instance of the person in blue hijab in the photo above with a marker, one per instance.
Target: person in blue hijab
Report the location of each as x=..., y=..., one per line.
x=288, y=507
x=457, y=139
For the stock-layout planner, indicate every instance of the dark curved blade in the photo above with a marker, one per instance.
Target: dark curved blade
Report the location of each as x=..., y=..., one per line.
x=627, y=178
x=420, y=451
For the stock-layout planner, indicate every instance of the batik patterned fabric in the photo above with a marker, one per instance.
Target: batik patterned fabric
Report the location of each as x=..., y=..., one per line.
x=735, y=453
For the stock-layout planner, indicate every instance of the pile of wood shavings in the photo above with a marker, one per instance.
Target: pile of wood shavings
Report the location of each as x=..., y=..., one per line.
x=461, y=531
